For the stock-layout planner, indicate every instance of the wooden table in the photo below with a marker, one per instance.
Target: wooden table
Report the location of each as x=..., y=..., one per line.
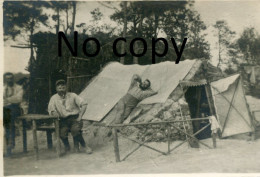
x=34, y=118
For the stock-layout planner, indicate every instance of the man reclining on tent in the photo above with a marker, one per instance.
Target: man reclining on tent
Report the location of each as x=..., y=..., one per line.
x=137, y=92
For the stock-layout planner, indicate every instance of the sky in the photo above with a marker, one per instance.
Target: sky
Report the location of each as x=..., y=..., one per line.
x=238, y=14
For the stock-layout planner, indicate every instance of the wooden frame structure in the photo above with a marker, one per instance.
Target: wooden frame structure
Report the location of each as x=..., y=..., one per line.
x=78, y=79
x=39, y=117
x=167, y=124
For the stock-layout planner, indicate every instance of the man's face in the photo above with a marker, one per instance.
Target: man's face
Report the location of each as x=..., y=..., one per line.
x=61, y=89
x=145, y=85
x=9, y=79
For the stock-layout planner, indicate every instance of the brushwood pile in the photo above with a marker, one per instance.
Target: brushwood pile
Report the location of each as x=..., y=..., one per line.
x=168, y=111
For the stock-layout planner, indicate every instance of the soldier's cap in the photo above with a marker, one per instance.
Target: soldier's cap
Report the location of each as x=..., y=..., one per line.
x=61, y=81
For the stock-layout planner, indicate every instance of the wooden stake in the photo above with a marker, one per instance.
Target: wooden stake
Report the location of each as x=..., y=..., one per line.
x=116, y=147
x=49, y=139
x=57, y=131
x=214, y=140
x=35, y=142
x=169, y=138
x=209, y=97
x=24, y=136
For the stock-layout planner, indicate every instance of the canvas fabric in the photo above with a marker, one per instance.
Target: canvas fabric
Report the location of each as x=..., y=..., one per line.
x=106, y=89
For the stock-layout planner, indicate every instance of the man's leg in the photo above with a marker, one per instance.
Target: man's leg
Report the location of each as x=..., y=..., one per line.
x=15, y=112
x=64, y=128
x=77, y=136
x=7, y=127
x=120, y=111
x=127, y=112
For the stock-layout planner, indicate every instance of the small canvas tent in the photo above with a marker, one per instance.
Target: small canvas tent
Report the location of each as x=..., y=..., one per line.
x=231, y=107
x=177, y=84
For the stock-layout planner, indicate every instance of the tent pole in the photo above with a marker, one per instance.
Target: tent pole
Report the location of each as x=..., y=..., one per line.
x=198, y=92
x=209, y=95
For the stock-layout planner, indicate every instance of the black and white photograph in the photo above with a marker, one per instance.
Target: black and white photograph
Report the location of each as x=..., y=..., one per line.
x=130, y=87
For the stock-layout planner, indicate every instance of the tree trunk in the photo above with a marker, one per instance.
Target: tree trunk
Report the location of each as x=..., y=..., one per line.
x=122, y=59
x=139, y=33
x=156, y=22
x=67, y=20
x=32, y=59
x=219, y=49
x=73, y=16
x=58, y=20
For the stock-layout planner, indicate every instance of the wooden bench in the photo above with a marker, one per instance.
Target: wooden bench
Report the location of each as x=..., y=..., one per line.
x=48, y=128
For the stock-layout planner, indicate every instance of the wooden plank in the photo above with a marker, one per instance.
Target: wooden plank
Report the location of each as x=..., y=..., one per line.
x=209, y=96
x=57, y=131
x=78, y=58
x=36, y=117
x=169, y=138
x=147, y=123
x=49, y=139
x=116, y=147
x=24, y=136
x=81, y=76
x=35, y=142
x=198, y=94
x=214, y=140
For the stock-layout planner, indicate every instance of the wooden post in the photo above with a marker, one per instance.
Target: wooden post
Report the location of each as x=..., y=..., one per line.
x=169, y=138
x=116, y=148
x=49, y=139
x=57, y=131
x=209, y=95
x=198, y=94
x=24, y=136
x=253, y=136
x=35, y=142
x=214, y=140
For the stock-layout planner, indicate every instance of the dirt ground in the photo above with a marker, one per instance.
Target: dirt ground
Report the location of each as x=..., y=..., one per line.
x=230, y=156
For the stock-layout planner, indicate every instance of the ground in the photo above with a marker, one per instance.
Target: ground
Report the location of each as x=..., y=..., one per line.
x=230, y=156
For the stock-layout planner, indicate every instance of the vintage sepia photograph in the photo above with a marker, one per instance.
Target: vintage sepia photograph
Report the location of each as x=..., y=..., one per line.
x=131, y=87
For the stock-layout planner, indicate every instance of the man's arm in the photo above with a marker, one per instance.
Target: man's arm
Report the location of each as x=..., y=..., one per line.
x=136, y=78
x=51, y=108
x=148, y=93
x=82, y=111
x=82, y=105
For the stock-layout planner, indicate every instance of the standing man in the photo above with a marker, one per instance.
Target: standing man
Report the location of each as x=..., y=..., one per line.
x=13, y=95
x=70, y=108
x=137, y=92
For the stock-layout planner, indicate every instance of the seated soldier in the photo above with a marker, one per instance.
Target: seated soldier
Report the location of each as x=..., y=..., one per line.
x=70, y=108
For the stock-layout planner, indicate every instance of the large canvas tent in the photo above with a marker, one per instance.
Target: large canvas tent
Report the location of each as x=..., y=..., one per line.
x=175, y=84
